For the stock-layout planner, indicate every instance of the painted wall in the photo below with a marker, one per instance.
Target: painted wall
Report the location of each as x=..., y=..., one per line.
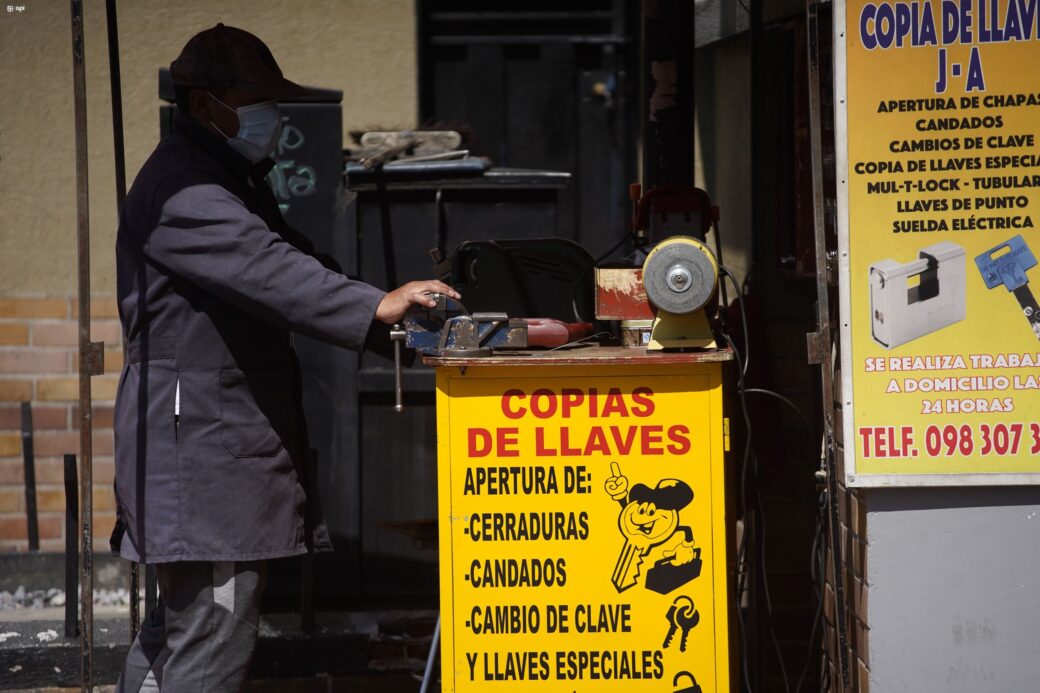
x=954, y=602
x=722, y=145
x=366, y=48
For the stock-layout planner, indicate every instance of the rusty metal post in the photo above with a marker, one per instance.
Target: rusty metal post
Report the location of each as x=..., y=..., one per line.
x=29, y=464
x=115, y=81
x=72, y=629
x=90, y=353
x=821, y=342
x=667, y=82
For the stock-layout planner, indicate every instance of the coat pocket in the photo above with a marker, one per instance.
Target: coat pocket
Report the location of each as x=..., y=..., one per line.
x=257, y=412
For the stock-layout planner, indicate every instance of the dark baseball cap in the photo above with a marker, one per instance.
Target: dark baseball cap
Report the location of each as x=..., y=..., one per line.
x=228, y=57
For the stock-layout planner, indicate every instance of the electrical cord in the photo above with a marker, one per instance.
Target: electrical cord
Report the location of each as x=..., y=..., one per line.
x=740, y=564
x=743, y=314
x=750, y=470
x=590, y=338
x=816, y=554
x=789, y=403
x=765, y=577
x=816, y=570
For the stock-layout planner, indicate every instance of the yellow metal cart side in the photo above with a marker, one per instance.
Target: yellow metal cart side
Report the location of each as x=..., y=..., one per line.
x=582, y=521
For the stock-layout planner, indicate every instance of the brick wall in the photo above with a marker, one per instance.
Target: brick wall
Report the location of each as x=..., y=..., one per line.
x=852, y=513
x=39, y=363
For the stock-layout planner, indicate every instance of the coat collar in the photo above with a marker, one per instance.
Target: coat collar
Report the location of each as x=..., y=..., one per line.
x=218, y=148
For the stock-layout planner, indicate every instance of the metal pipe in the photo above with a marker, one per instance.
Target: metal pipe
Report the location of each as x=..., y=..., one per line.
x=29, y=463
x=668, y=93
x=151, y=590
x=89, y=352
x=397, y=335
x=117, y=102
x=431, y=657
x=115, y=81
x=822, y=340
x=71, y=549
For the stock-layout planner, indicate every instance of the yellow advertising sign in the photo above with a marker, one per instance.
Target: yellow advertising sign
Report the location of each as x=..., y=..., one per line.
x=938, y=139
x=582, y=529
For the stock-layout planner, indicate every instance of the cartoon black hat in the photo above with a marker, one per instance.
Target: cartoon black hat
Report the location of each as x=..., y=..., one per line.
x=669, y=494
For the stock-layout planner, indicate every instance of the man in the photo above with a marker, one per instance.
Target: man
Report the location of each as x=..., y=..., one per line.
x=210, y=445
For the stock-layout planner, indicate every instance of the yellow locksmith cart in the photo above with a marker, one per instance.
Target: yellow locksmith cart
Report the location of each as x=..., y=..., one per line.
x=582, y=521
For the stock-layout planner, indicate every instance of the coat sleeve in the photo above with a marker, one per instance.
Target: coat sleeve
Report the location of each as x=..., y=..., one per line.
x=207, y=236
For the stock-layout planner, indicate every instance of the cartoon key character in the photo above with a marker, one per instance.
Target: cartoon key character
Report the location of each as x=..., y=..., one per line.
x=649, y=521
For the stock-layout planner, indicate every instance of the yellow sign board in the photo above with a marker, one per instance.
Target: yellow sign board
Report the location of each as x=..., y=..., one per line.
x=938, y=148
x=582, y=529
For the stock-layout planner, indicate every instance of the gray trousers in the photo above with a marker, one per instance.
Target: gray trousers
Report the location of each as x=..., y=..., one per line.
x=201, y=634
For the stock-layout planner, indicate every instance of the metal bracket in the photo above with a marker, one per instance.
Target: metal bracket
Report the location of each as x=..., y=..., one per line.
x=832, y=268
x=817, y=347
x=92, y=359
x=397, y=336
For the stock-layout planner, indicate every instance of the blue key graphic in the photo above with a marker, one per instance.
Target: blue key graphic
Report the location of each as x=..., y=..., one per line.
x=1005, y=265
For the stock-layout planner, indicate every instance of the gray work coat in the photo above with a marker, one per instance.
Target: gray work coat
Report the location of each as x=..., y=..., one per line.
x=210, y=442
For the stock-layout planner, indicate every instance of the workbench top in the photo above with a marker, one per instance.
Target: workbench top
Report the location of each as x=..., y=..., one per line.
x=584, y=355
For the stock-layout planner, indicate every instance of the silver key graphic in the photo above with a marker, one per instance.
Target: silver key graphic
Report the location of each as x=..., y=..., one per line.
x=686, y=618
x=682, y=615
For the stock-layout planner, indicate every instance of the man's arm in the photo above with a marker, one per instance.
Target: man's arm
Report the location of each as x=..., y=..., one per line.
x=207, y=236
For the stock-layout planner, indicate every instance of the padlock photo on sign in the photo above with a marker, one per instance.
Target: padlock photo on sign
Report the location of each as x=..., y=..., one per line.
x=689, y=685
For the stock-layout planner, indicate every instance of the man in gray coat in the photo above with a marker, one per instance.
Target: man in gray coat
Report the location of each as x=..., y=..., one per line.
x=210, y=473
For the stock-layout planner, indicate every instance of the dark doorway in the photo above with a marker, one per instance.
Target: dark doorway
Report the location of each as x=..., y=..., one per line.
x=544, y=85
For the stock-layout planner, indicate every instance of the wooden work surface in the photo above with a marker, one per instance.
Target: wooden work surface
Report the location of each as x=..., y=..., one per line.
x=584, y=355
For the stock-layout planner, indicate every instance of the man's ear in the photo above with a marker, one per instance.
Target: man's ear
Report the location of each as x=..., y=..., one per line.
x=200, y=105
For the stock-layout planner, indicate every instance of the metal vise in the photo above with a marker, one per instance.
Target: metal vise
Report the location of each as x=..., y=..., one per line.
x=449, y=330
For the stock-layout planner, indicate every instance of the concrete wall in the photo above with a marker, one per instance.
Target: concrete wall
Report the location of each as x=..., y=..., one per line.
x=366, y=48
x=954, y=602
x=722, y=144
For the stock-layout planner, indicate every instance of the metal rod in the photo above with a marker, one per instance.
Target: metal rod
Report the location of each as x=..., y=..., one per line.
x=115, y=80
x=398, y=403
x=29, y=462
x=151, y=590
x=87, y=354
x=117, y=102
x=431, y=657
x=134, y=588
x=823, y=336
x=71, y=548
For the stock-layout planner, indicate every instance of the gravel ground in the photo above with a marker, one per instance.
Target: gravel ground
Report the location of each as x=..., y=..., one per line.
x=54, y=597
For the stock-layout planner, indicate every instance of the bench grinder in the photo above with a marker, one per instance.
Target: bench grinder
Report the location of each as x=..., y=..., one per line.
x=680, y=277
x=671, y=293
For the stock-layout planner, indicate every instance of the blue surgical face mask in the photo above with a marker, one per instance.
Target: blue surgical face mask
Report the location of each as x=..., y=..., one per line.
x=259, y=127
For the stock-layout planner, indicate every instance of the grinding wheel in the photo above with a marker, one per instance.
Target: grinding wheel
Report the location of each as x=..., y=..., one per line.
x=680, y=275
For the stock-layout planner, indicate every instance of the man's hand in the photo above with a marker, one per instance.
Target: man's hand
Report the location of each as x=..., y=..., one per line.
x=396, y=303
